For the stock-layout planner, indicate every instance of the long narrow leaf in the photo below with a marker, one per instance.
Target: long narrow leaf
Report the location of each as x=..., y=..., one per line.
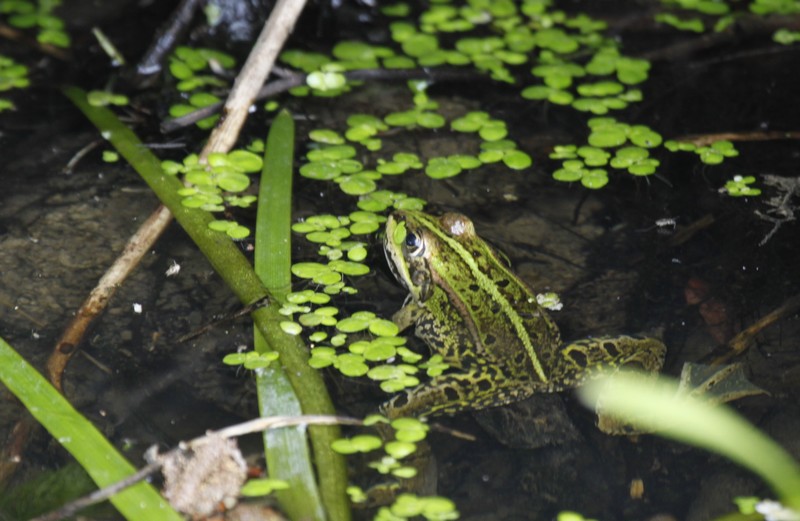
x=229, y=262
x=655, y=406
x=288, y=457
x=82, y=439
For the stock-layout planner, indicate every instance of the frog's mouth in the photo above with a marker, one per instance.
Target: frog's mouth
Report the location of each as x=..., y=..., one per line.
x=394, y=260
x=393, y=252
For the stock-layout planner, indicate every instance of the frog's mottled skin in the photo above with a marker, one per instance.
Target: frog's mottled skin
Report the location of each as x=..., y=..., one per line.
x=485, y=322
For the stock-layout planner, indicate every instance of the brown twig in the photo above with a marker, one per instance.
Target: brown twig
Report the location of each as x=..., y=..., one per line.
x=166, y=40
x=138, y=245
x=741, y=342
x=290, y=80
x=254, y=73
x=702, y=140
x=18, y=36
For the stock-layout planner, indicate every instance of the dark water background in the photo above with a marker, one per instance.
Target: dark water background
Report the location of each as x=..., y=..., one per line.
x=615, y=269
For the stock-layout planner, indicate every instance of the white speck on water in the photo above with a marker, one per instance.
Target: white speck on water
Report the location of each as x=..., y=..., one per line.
x=137, y=308
x=174, y=269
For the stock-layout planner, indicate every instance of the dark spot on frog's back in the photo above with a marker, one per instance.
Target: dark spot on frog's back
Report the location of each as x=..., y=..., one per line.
x=579, y=357
x=611, y=348
x=502, y=283
x=489, y=340
x=484, y=385
x=400, y=400
x=474, y=287
x=451, y=394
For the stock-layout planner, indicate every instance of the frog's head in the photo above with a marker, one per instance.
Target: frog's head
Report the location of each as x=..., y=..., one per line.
x=417, y=245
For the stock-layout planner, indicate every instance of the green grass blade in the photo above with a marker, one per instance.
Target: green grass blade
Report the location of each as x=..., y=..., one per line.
x=82, y=439
x=654, y=406
x=273, y=255
x=288, y=457
x=234, y=268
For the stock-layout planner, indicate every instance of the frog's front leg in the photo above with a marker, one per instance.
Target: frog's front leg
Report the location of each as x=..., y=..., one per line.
x=454, y=392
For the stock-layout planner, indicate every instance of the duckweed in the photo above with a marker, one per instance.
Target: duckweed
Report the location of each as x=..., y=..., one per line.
x=262, y=487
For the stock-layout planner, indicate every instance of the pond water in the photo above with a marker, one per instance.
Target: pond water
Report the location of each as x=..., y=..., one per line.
x=667, y=254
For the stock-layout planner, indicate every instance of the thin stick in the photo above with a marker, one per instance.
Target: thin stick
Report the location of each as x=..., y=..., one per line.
x=741, y=342
x=257, y=425
x=254, y=73
x=290, y=79
x=138, y=245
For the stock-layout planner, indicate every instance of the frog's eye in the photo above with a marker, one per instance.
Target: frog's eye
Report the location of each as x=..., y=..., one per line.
x=414, y=244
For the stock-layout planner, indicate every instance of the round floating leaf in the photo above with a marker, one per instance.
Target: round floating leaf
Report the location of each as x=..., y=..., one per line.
x=644, y=167
x=434, y=366
x=326, y=81
x=232, y=181
x=595, y=179
x=202, y=99
x=378, y=352
x=517, y=160
x=352, y=325
x=470, y=122
x=383, y=327
x=400, y=449
x=321, y=170
x=608, y=137
x=263, y=487
x=401, y=119
x=567, y=175
x=418, y=45
x=180, y=69
x=601, y=88
x=332, y=152
x=356, y=184
x=593, y=156
x=442, y=168
x=322, y=357
x=385, y=372
x=563, y=152
x=430, y=120
x=466, y=162
x=291, y=328
x=644, y=136
x=409, y=429
x=493, y=131
x=632, y=71
x=245, y=161
x=349, y=268
x=327, y=136
x=628, y=156
x=351, y=365
x=363, y=228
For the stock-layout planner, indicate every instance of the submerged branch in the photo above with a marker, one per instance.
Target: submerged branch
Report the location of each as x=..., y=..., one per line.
x=290, y=80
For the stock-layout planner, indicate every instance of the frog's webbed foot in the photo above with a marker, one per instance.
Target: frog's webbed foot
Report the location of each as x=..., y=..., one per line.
x=716, y=384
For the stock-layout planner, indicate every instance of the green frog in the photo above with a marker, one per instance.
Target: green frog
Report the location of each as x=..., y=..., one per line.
x=485, y=322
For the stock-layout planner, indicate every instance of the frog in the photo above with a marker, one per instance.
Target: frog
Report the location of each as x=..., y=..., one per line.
x=485, y=322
